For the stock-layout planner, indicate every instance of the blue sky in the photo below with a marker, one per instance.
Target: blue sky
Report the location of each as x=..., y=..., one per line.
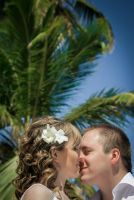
x=117, y=68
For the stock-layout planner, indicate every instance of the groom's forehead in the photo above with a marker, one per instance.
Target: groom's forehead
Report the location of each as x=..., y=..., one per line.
x=92, y=135
x=90, y=139
x=85, y=144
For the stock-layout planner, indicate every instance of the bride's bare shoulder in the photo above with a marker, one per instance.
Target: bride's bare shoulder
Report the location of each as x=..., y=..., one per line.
x=37, y=192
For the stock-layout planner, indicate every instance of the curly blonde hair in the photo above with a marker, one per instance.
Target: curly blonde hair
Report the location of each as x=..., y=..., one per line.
x=35, y=162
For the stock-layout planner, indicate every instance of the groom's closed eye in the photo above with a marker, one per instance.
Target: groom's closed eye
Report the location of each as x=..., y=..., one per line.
x=86, y=150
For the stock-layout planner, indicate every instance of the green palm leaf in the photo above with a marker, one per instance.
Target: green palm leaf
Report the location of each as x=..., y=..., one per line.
x=7, y=172
x=44, y=59
x=103, y=109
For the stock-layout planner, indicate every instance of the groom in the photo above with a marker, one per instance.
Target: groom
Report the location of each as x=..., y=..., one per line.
x=105, y=160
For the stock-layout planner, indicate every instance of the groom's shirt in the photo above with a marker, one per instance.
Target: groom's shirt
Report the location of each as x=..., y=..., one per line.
x=124, y=190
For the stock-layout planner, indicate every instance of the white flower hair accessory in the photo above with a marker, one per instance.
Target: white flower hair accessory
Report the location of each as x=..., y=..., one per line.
x=51, y=135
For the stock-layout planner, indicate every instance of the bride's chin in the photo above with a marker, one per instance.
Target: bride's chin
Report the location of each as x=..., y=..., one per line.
x=77, y=175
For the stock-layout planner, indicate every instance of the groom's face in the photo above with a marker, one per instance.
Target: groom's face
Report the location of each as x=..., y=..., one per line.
x=95, y=164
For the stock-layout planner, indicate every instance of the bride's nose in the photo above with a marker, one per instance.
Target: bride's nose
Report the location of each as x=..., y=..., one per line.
x=81, y=160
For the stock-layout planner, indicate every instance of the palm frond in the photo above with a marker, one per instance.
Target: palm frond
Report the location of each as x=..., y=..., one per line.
x=7, y=174
x=65, y=57
x=5, y=116
x=105, y=109
x=85, y=14
x=21, y=19
x=52, y=52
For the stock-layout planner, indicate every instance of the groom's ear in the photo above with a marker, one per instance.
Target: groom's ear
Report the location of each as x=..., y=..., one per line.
x=115, y=156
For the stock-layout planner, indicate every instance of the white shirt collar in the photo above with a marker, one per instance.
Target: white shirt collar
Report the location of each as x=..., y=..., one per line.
x=128, y=178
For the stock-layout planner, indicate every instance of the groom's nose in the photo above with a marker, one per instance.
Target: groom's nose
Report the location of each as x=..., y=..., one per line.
x=80, y=154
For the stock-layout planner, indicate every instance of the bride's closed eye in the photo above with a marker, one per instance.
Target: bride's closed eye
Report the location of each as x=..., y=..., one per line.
x=76, y=148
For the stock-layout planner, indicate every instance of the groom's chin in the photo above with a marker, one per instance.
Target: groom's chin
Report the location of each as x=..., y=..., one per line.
x=84, y=179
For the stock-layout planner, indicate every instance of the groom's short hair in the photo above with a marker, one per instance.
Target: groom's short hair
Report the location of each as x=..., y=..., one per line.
x=114, y=137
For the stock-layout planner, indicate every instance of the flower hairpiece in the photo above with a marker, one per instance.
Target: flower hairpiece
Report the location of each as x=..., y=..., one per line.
x=51, y=135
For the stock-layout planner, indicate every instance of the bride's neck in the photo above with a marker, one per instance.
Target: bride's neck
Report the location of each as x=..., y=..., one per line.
x=60, y=182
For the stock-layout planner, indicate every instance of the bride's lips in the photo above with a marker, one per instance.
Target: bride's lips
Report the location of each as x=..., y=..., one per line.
x=82, y=169
x=78, y=166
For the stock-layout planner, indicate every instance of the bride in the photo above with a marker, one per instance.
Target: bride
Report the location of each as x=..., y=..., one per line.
x=48, y=157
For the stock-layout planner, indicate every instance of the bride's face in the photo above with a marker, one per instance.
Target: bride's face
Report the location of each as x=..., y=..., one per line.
x=68, y=161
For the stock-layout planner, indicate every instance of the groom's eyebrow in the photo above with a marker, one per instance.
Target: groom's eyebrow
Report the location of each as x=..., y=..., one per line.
x=84, y=148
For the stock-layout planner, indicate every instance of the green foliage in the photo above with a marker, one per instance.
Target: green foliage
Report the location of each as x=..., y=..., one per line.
x=103, y=108
x=7, y=172
x=43, y=47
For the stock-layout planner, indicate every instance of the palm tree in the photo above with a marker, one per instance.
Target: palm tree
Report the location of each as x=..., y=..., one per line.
x=47, y=49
